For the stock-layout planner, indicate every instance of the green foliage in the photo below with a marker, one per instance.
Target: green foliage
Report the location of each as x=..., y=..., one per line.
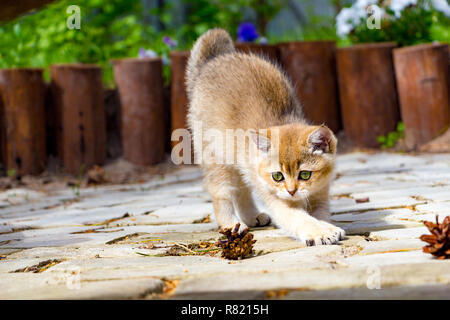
x=11, y=173
x=391, y=139
x=417, y=24
x=76, y=188
x=440, y=29
x=227, y=14
x=413, y=26
x=109, y=30
x=265, y=10
x=113, y=29
x=319, y=28
x=205, y=14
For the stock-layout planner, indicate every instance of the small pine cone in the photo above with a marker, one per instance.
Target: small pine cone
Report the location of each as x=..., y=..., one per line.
x=439, y=239
x=236, y=246
x=97, y=175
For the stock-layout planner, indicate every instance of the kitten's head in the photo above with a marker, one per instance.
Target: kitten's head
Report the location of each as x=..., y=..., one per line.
x=303, y=164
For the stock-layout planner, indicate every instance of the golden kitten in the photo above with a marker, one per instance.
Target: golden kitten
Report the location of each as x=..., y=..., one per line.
x=293, y=166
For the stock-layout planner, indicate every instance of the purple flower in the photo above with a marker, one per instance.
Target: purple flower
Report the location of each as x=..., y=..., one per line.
x=247, y=32
x=141, y=53
x=147, y=53
x=170, y=42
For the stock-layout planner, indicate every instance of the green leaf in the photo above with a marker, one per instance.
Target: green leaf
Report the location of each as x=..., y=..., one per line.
x=16, y=29
x=11, y=173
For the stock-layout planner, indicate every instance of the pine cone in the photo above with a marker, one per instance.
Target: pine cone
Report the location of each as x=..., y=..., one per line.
x=236, y=246
x=439, y=239
x=97, y=175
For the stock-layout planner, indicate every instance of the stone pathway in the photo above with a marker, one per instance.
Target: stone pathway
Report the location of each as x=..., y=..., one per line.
x=113, y=241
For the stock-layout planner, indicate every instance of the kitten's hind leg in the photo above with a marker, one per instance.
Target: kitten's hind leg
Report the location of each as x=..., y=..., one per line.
x=247, y=209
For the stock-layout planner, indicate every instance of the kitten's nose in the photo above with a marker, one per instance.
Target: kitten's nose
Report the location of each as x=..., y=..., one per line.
x=292, y=192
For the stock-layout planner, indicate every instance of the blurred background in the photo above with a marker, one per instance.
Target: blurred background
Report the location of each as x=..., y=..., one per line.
x=33, y=33
x=75, y=73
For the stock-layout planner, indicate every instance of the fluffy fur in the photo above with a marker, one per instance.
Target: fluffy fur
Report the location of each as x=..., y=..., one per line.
x=230, y=90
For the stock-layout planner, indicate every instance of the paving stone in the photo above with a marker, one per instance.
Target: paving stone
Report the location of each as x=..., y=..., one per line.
x=361, y=223
x=6, y=252
x=371, y=247
x=84, y=252
x=393, y=258
x=102, y=239
x=433, y=292
x=37, y=286
x=11, y=265
x=68, y=236
x=182, y=212
x=69, y=217
x=418, y=292
x=419, y=217
x=375, y=162
x=20, y=196
x=27, y=209
x=440, y=208
x=387, y=182
x=429, y=192
x=398, y=234
x=350, y=205
x=356, y=228
x=261, y=281
x=4, y=228
x=215, y=286
x=189, y=266
x=371, y=215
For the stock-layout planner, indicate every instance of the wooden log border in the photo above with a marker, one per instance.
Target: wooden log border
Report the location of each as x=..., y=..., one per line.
x=368, y=93
x=311, y=65
x=140, y=86
x=423, y=83
x=22, y=92
x=71, y=109
x=78, y=104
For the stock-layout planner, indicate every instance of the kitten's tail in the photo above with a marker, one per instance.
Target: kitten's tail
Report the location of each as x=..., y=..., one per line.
x=211, y=44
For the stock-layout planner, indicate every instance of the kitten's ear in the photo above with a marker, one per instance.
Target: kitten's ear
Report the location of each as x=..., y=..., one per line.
x=261, y=141
x=322, y=140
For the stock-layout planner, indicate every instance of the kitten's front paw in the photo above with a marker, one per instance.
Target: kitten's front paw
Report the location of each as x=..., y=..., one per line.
x=320, y=233
x=242, y=227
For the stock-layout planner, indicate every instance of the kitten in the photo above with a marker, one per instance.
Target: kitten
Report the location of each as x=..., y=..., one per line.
x=230, y=90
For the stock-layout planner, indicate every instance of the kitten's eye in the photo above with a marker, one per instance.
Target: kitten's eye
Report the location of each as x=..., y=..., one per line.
x=304, y=175
x=277, y=176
